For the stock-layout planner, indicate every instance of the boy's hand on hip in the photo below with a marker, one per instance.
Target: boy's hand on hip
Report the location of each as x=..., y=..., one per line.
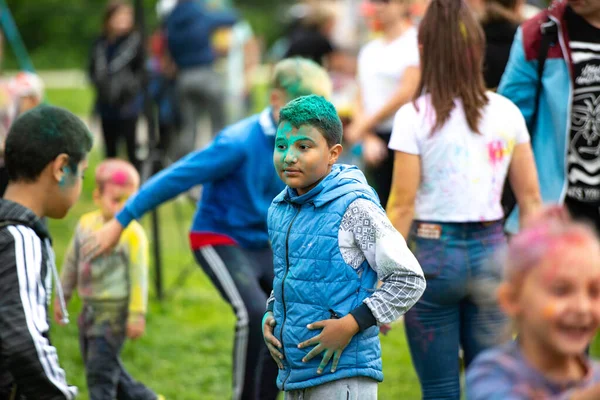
x=385, y=328
x=332, y=340
x=273, y=344
x=101, y=241
x=136, y=325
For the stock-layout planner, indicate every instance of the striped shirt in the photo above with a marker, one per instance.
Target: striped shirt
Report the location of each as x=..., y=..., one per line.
x=27, y=358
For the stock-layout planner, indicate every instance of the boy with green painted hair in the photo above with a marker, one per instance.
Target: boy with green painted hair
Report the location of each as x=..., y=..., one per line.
x=332, y=242
x=229, y=235
x=46, y=157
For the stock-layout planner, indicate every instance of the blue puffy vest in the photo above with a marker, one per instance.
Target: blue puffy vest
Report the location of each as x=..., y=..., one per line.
x=312, y=281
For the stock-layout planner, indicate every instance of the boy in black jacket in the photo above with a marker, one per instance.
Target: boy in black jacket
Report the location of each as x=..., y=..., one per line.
x=46, y=156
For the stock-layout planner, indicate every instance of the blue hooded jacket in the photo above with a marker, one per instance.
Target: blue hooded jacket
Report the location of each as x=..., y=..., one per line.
x=313, y=282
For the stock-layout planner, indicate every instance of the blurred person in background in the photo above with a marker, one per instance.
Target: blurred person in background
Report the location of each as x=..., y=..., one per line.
x=388, y=74
x=189, y=29
x=455, y=144
x=115, y=69
x=561, y=106
x=162, y=78
x=500, y=21
x=162, y=89
x=19, y=95
x=312, y=37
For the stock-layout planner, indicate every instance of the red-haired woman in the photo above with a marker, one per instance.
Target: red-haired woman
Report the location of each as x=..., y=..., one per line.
x=455, y=144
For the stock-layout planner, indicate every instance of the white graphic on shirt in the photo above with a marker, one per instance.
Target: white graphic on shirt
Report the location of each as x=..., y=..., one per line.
x=589, y=75
x=585, y=143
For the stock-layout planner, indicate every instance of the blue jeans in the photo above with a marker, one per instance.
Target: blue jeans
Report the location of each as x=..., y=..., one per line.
x=101, y=337
x=459, y=307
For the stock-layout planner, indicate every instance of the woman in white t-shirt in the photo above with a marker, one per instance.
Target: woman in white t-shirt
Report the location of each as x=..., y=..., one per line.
x=455, y=145
x=388, y=74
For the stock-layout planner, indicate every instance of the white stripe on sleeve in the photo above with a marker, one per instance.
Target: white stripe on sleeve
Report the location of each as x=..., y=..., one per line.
x=28, y=262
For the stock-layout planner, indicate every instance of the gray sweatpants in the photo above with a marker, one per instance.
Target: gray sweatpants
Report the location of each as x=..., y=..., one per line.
x=359, y=388
x=199, y=90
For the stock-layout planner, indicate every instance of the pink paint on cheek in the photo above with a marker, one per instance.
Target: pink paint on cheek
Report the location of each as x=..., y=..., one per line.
x=549, y=311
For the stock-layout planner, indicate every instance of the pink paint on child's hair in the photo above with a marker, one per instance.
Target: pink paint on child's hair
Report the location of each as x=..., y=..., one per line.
x=120, y=178
x=116, y=172
x=545, y=237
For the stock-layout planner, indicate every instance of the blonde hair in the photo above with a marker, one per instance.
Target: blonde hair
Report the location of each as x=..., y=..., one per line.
x=301, y=77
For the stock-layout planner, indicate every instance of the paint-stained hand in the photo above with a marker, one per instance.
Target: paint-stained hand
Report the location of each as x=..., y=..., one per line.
x=384, y=329
x=356, y=131
x=374, y=151
x=59, y=317
x=102, y=241
x=274, y=346
x=333, y=339
x=136, y=325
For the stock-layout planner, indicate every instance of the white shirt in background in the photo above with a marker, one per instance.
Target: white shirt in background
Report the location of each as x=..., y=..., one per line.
x=381, y=66
x=462, y=172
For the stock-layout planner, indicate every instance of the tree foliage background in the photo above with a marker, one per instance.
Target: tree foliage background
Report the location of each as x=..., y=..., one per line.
x=58, y=33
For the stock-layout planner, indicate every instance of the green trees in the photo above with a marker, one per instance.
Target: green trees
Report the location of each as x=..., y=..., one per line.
x=58, y=33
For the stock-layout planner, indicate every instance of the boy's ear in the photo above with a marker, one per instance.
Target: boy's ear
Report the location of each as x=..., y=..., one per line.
x=508, y=299
x=60, y=167
x=334, y=153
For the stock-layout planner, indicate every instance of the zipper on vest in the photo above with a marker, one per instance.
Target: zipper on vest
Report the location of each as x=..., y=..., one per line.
x=287, y=268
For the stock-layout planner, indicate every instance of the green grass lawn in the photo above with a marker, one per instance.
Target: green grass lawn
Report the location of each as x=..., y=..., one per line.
x=77, y=100
x=186, y=352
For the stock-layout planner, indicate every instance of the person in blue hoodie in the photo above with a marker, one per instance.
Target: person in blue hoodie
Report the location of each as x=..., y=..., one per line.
x=332, y=242
x=229, y=233
x=189, y=29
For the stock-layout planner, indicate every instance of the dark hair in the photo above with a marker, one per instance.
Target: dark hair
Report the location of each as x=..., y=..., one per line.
x=508, y=4
x=317, y=112
x=501, y=10
x=111, y=8
x=452, y=61
x=38, y=136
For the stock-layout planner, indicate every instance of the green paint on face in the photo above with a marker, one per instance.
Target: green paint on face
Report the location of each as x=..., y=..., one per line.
x=301, y=156
x=289, y=145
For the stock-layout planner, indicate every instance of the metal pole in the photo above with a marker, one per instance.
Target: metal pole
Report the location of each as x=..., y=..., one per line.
x=153, y=139
x=14, y=38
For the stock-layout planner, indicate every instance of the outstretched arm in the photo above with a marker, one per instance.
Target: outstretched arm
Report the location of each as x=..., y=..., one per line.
x=212, y=163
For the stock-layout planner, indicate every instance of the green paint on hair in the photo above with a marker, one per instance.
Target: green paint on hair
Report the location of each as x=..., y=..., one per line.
x=313, y=111
x=301, y=77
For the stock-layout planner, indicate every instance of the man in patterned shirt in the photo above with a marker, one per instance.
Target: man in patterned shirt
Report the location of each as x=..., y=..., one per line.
x=331, y=242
